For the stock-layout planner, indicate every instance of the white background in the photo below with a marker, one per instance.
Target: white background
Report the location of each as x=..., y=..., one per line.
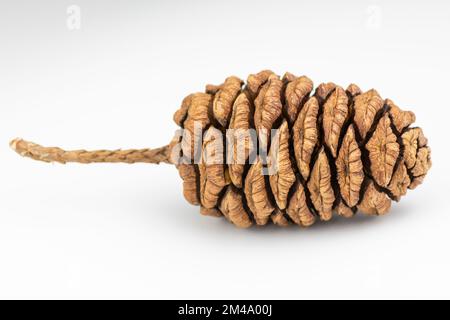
x=119, y=231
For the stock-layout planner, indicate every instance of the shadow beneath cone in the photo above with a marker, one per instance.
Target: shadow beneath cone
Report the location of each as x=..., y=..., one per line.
x=338, y=223
x=179, y=212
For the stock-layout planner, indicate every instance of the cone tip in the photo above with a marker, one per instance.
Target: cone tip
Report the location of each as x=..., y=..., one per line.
x=14, y=142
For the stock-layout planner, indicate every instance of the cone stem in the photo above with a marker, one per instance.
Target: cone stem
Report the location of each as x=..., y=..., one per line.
x=54, y=154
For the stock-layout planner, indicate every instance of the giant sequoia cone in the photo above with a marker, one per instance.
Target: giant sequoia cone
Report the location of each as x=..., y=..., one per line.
x=334, y=150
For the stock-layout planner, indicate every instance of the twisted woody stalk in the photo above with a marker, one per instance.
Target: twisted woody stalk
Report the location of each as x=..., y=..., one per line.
x=336, y=150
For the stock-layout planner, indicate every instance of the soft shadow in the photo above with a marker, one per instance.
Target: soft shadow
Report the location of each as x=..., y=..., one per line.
x=173, y=208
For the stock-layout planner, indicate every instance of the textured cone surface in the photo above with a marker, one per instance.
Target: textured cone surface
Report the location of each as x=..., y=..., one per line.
x=335, y=151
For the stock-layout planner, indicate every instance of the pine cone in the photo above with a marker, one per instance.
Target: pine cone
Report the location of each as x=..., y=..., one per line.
x=335, y=150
